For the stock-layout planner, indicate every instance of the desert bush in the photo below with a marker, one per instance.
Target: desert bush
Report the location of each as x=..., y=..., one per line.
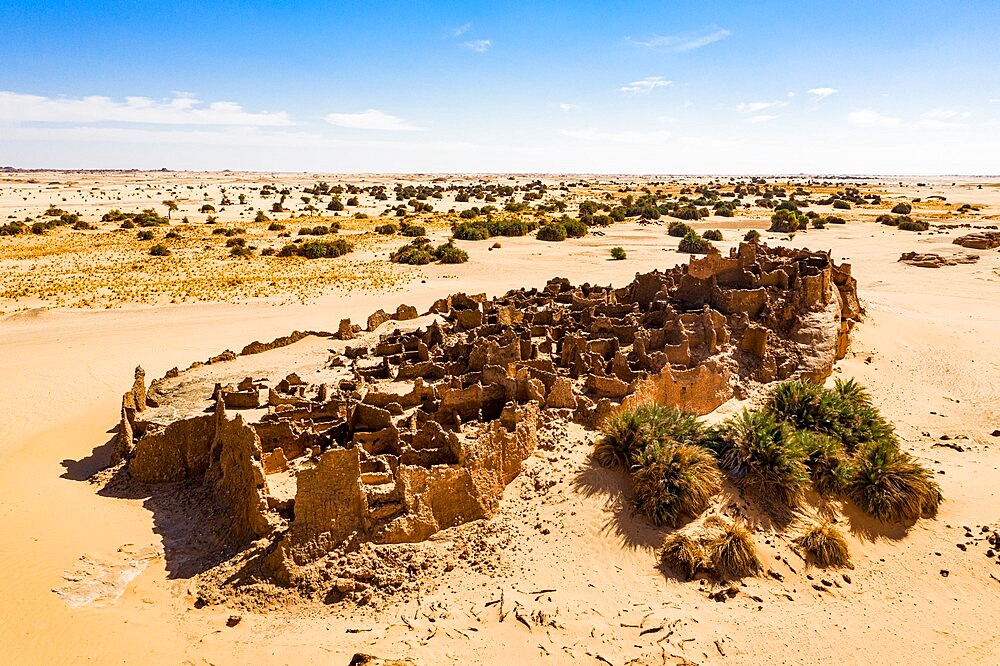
x=236, y=242
x=840, y=204
x=471, y=232
x=891, y=486
x=626, y=433
x=913, y=225
x=317, y=249
x=833, y=219
x=387, y=229
x=694, y=244
x=159, y=250
x=829, y=465
x=553, y=231
x=763, y=454
x=752, y=236
x=241, y=251
x=172, y=235
x=678, y=229
x=416, y=253
x=412, y=230
x=786, y=220
x=275, y=226
x=262, y=217
x=449, y=254
x=893, y=220
x=618, y=253
x=826, y=545
x=731, y=549
x=845, y=412
x=689, y=213
x=674, y=482
x=145, y=235
x=712, y=235
x=682, y=553
x=902, y=208
x=574, y=228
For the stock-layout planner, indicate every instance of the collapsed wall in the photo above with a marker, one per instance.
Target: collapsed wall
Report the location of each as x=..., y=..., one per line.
x=410, y=432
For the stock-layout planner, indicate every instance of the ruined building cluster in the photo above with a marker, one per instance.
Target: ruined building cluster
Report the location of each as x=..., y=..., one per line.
x=418, y=423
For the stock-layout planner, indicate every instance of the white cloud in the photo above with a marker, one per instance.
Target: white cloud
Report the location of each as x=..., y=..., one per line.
x=565, y=106
x=624, y=136
x=946, y=114
x=871, y=117
x=762, y=118
x=646, y=85
x=461, y=30
x=684, y=42
x=372, y=119
x=756, y=107
x=181, y=109
x=822, y=93
x=478, y=45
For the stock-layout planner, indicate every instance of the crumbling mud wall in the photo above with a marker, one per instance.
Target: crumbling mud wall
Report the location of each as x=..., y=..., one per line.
x=413, y=431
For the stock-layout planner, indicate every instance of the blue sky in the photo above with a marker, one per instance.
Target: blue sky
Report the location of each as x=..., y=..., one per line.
x=908, y=87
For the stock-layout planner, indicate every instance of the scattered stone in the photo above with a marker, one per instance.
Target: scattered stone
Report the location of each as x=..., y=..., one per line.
x=934, y=260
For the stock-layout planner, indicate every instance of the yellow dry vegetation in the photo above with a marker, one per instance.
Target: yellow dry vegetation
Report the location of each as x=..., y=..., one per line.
x=111, y=267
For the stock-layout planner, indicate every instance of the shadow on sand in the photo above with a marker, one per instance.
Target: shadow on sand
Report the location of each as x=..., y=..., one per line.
x=186, y=516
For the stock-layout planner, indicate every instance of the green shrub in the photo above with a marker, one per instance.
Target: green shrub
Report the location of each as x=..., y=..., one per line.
x=845, y=412
x=840, y=204
x=236, y=242
x=241, y=251
x=145, y=235
x=891, y=486
x=417, y=253
x=829, y=466
x=752, y=236
x=618, y=253
x=712, y=235
x=387, y=229
x=678, y=229
x=694, y=244
x=553, y=231
x=764, y=455
x=674, y=482
x=471, y=232
x=626, y=433
x=913, y=225
x=159, y=250
x=412, y=230
x=449, y=254
x=902, y=208
x=574, y=228
x=788, y=221
x=317, y=249
x=833, y=219
x=275, y=226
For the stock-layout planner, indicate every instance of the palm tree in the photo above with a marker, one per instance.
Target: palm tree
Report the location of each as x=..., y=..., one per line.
x=171, y=206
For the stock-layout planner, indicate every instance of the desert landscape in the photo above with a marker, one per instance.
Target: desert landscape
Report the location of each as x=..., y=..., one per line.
x=432, y=450
x=409, y=334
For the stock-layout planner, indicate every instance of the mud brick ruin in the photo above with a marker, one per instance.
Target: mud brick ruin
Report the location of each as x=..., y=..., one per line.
x=418, y=423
